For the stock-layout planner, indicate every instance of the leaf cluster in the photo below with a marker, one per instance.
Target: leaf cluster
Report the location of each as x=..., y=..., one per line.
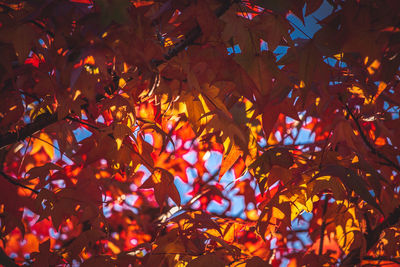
x=190, y=133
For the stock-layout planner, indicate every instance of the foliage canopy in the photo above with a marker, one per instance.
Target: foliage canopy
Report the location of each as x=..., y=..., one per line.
x=131, y=132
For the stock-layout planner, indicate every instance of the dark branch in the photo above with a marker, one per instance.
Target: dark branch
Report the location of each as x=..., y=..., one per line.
x=42, y=122
x=380, y=258
x=5, y=260
x=48, y=119
x=372, y=237
x=192, y=35
x=323, y=226
x=15, y=182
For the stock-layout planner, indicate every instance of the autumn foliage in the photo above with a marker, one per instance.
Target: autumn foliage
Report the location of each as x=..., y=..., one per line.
x=199, y=133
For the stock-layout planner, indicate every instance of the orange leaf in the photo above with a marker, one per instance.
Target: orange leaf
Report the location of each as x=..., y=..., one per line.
x=43, y=141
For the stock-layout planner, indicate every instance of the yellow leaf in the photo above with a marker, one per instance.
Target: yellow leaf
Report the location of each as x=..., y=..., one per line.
x=43, y=141
x=229, y=233
x=113, y=247
x=277, y=213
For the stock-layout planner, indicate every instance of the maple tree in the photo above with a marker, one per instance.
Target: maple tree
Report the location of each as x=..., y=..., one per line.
x=130, y=132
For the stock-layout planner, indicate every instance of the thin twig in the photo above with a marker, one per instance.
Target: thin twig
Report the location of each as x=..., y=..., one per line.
x=23, y=157
x=15, y=182
x=323, y=150
x=323, y=226
x=381, y=258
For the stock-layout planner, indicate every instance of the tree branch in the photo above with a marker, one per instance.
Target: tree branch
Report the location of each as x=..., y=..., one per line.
x=323, y=226
x=42, y=122
x=372, y=238
x=193, y=34
x=368, y=144
x=15, y=182
x=5, y=260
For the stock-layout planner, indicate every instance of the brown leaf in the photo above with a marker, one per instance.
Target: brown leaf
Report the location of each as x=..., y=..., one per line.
x=352, y=181
x=163, y=183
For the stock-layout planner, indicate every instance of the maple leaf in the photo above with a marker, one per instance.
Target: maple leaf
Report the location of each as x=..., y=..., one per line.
x=162, y=182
